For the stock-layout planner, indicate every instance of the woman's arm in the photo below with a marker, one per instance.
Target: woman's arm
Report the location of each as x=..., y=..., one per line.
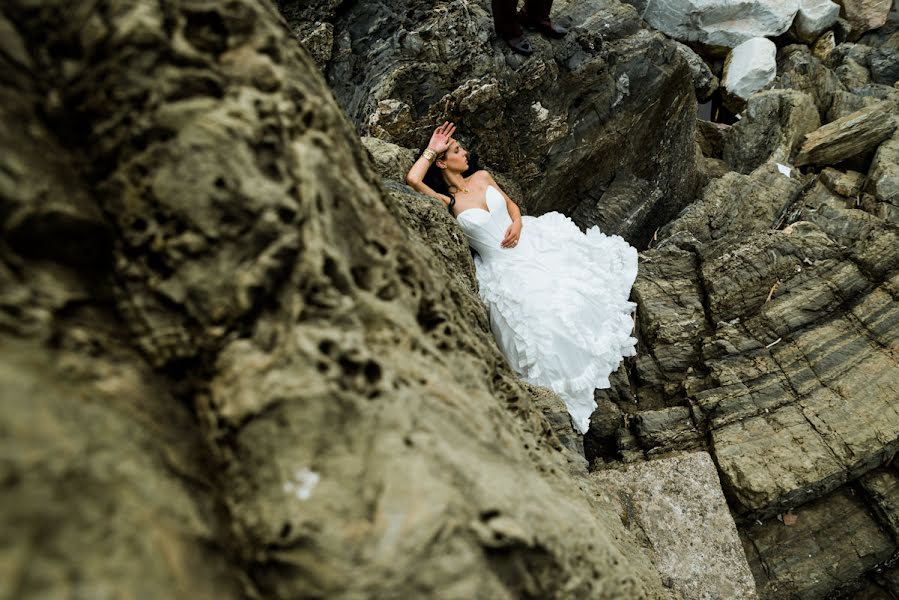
x=440, y=141
x=514, y=211
x=513, y=232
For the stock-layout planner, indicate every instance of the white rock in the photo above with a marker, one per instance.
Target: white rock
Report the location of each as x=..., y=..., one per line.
x=815, y=17
x=720, y=22
x=750, y=67
x=677, y=505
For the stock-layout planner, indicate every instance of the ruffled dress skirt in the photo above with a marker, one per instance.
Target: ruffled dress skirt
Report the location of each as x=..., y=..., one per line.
x=560, y=310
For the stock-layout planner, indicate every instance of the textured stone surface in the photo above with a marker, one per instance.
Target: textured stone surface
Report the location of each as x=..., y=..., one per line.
x=865, y=15
x=719, y=22
x=677, y=504
x=281, y=382
x=883, y=178
x=773, y=125
x=750, y=67
x=798, y=69
x=704, y=81
x=847, y=184
x=832, y=542
x=854, y=134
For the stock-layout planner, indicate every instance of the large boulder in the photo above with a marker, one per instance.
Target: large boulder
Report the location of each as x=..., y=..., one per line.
x=814, y=18
x=865, y=15
x=561, y=122
x=280, y=382
x=849, y=136
x=720, y=22
x=677, y=504
x=750, y=67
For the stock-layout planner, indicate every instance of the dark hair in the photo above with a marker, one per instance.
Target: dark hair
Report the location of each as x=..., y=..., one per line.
x=434, y=177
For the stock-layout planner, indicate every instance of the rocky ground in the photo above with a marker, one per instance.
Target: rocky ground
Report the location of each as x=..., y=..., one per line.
x=240, y=359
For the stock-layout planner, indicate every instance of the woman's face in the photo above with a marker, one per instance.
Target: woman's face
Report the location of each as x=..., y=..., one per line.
x=456, y=157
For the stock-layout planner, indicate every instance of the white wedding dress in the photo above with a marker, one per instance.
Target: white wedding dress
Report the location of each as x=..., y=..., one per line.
x=558, y=300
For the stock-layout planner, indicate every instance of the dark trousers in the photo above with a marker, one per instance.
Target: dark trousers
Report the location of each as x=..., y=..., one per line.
x=506, y=19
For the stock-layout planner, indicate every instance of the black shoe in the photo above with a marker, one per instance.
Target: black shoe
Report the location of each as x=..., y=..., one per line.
x=521, y=45
x=548, y=28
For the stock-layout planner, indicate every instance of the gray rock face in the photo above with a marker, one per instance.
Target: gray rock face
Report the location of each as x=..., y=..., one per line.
x=281, y=383
x=719, y=22
x=560, y=122
x=774, y=123
x=677, y=504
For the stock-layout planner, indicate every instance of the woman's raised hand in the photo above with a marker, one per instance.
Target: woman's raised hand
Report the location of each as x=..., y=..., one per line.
x=440, y=140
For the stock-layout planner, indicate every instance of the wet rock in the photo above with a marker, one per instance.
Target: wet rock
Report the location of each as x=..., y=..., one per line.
x=676, y=505
x=833, y=541
x=852, y=135
x=774, y=123
x=750, y=67
x=718, y=22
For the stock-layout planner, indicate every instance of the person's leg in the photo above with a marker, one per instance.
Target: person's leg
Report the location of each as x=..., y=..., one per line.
x=536, y=12
x=535, y=15
x=505, y=19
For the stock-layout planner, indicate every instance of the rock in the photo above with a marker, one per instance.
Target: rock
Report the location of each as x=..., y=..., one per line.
x=814, y=18
x=798, y=69
x=711, y=137
x=847, y=184
x=667, y=430
x=704, y=82
x=849, y=136
x=283, y=384
x=883, y=178
x=718, y=22
x=750, y=67
x=865, y=15
x=391, y=161
x=846, y=103
x=556, y=413
x=824, y=46
x=670, y=316
x=735, y=204
x=833, y=541
x=774, y=123
x=884, y=66
x=882, y=487
x=573, y=102
x=677, y=505
x=599, y=441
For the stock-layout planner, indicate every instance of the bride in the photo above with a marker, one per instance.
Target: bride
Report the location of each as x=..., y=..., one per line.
x=557, y=297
